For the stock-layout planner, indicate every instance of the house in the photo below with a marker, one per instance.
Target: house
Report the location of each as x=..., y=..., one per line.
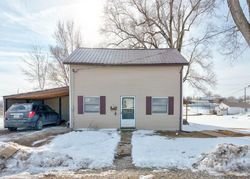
x=227, y=107
x=126, y=88
x=204, y=105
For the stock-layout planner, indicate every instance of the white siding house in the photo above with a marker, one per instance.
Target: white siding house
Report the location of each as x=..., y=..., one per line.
x=231, y=108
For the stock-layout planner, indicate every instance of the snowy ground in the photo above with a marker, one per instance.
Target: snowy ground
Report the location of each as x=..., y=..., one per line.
x=6, y=136
x=94, y=149
x=71, y=151
x=214, y=122
x=150, y=150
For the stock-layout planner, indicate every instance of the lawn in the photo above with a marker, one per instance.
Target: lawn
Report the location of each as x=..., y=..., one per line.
x=95, y=149
x=153, y=151
x=72, y=151
x=213, y=122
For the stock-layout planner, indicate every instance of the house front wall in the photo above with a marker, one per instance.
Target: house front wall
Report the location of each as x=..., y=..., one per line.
x=116, y=81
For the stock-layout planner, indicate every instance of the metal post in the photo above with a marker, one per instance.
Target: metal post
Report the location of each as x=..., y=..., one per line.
x=245, y=94
x=187, y=110
x=60, y=107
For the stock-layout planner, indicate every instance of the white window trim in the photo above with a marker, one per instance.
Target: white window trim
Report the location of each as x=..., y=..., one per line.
x=89, y=112
x=158, y=113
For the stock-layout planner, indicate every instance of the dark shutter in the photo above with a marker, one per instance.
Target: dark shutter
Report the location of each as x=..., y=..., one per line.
x=148, y=105
x=170, y=105
x=102, y=104
x=80, y=104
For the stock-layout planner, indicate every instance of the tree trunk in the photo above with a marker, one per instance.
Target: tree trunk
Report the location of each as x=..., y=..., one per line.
x=239, y=19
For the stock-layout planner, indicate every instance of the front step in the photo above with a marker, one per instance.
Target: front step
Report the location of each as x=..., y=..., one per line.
x=129, y=129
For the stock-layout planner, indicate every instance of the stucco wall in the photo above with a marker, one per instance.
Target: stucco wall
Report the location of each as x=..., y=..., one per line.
x=114, y=82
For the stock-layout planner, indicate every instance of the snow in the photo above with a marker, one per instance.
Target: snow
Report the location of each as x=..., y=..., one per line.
x=71, y=151
x=150, y=176
x=26, y=133
x=226, y=158
x=197, y=110
x=150, y=150
x=213, y=122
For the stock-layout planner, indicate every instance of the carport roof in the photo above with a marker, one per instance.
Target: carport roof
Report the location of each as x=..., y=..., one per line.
x=43, y=94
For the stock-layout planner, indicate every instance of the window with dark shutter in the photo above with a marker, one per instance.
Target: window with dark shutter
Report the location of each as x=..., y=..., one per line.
x=80, y=104
x=91, y=104
x=159, y=105
x=148, y=105
x=170, y=105
x=102, y=104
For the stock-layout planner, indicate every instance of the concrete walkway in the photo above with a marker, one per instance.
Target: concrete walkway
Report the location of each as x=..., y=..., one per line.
x=123, y=158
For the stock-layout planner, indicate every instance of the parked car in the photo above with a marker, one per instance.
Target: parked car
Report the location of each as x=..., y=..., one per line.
x=30, y=115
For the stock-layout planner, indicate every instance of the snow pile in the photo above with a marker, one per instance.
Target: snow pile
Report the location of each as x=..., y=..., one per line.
x=71, y=151
x=17, y=159
x=151, y=150
x=226, y=158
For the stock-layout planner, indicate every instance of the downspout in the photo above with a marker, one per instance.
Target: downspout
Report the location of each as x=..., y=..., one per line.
x=181, y=99
x=71, y=99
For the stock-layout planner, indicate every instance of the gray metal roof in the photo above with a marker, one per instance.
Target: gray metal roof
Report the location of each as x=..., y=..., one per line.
x=236, y=104
x=106, y=56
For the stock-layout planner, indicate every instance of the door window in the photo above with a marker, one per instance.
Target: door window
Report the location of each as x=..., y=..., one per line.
x=128, y=108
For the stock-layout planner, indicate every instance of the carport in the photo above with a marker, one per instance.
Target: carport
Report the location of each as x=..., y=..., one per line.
x=56, y=98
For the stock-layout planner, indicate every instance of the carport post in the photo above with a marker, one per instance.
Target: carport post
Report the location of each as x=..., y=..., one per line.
x=5, y=106
x=60, y=107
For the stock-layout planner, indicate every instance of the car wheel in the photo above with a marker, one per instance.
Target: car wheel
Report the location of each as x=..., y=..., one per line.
x=39, y=124
x=12, y=128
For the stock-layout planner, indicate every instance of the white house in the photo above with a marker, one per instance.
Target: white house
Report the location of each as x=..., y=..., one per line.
x=126, y=88
x=231, y=108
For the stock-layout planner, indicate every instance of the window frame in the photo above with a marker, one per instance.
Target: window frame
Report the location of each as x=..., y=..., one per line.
x=84, y=104
x=152, y=105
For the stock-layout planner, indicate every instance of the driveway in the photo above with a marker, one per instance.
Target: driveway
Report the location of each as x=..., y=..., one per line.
x=32, y=138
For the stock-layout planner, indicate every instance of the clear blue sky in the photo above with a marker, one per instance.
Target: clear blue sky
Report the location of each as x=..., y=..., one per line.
x=25, y=22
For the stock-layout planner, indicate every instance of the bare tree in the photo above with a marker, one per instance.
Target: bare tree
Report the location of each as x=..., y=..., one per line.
x=236, y=27
x=36, y=67
x=240, y=18
x=164, y=23
x=67, y=38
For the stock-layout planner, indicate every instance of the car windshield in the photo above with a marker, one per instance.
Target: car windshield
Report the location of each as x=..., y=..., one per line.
x=20, y=107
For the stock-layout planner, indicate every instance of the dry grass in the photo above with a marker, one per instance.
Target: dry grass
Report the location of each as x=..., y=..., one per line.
x=232, y=133
x=201, y=134
x=183, y=134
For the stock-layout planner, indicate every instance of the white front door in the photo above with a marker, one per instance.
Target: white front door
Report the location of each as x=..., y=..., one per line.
x=128, y=112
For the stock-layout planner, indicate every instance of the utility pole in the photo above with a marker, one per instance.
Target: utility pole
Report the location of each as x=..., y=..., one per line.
x=245, y=95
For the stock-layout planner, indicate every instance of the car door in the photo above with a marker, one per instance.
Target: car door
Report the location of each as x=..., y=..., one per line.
x=52, y=115
x=44, y=113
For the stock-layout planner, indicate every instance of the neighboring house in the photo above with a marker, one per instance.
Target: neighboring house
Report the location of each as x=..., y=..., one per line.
x=201, y=106
x=227, y=107
x=126, y=88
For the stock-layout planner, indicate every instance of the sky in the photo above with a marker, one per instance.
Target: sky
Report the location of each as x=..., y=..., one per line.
x=27, y=22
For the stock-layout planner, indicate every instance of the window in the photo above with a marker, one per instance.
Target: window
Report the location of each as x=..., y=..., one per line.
x=92, y=104
x=20, y=107
x=159, y=105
